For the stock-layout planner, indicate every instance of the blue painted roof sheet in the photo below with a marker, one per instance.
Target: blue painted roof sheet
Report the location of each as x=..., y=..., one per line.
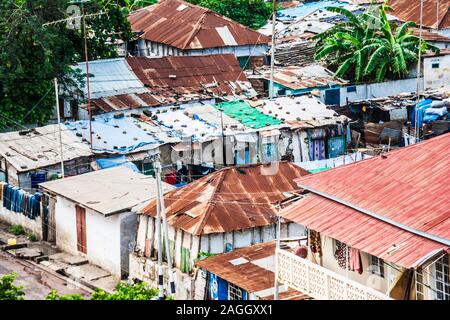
x=304, y=9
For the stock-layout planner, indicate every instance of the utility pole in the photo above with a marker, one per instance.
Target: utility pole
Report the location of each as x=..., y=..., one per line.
x=224, y=150
x=272, y=56
x=277, y=261
x=416, y=120
x=59, y=127
x=192, y=159
x=162, y=209
x=158, y=233
x=87, y=74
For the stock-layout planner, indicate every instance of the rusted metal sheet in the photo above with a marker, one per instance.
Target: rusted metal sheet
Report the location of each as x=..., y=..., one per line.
x=178, y=77
x=230, y=199
x=169, y=80
x=408, y=185
x=298, y=78
x=431, y=36
x=436, y=13
x=186, y=26
x=248, y=275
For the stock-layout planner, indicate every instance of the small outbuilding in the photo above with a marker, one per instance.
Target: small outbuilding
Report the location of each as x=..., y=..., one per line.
x=92, y=217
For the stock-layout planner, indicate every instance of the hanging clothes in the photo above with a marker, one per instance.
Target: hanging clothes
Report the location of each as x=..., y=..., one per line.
x=315, y=244
x=317, y=149
x=171, y=178
x=2, y=184
x=18, y=200
x=348, y=257
x=340, y=254
x=355, y=263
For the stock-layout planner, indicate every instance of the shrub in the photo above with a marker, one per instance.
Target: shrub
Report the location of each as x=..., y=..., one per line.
x=17, y=229
x=8, y=291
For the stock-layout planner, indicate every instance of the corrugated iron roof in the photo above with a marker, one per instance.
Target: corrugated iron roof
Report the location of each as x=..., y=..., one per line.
x=298, y=78
x=121, y=84
x=436, y=13
x=121, y=135
x=249, y=275
x=107, y=191
x=230, y=199
x=408, y=185
x=248, y=116
x=186, y=78
x=186, y=26
x=300, y=111
x=110, y=77
x=39, y=148
x=430, y=36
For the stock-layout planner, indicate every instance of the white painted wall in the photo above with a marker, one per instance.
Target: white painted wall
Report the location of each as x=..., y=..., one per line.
x=30, y=225
x=153, y=49
x=436, y=77
x=103, y=236
x=377, y=90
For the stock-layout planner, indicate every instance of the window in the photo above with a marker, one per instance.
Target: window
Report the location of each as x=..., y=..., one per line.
x=376, y=266
x=419, y=286
x=234, y=292
x=441, y=279
x=435, y=65
x=351, y=89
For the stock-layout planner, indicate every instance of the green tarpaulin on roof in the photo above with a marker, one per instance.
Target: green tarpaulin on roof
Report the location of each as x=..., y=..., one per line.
x=245, y=114
x=318, y=170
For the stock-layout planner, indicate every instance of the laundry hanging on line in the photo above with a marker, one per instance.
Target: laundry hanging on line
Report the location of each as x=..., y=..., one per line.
x=17, y=200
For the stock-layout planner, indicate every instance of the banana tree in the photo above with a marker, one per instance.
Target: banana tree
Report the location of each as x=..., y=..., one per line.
x=368, y=47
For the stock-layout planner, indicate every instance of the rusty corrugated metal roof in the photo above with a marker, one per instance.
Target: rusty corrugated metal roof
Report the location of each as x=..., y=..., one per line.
x=230, y=199
x=436, y=13
x=124, y=102
x=249, y=275
x=167, y=80
x=297, y=78
x=186, y=26
x=408, y=185
x=430, y=36
x=181, y=78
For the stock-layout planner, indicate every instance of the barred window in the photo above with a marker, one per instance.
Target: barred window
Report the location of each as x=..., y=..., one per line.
x=377, y=266
x=441, y=279
x=234, y=292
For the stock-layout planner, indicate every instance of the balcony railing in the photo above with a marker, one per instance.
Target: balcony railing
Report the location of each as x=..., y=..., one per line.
x=319, y=282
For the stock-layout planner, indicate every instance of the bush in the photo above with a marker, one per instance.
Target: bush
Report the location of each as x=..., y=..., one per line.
x=17, y=229
x=125, y=291
x=31, y=237
x=8, y=291
x=53, y=295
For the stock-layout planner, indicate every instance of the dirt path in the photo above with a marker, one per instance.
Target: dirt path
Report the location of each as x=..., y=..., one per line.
x=37, y=282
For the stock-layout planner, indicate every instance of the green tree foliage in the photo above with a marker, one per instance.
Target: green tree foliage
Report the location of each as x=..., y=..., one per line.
x=124, y=291
x=367, y=47
x=53, y=295
x=8, y=291
x=250, y=13
x=32, y=54
x=131, y=5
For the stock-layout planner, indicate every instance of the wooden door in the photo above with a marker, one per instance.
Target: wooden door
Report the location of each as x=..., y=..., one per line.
x=81, y=229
